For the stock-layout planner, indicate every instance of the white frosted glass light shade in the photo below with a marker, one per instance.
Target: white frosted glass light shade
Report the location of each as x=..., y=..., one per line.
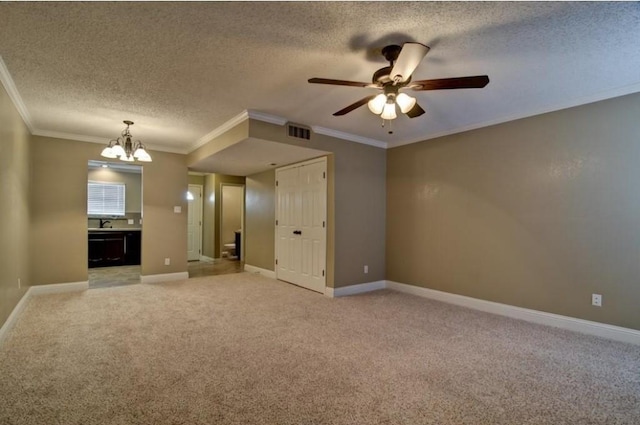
x=142, y=155
x=126, y=158
x=389, y=111
x=118, y=150
x=405, y=102
x=108, y=152
x=377, y=104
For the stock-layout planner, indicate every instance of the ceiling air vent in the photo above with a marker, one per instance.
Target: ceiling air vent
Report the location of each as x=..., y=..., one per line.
x=298, y=131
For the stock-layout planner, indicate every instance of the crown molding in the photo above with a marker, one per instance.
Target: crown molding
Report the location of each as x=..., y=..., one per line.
x=69, y=136
x=14, y=95
x=241, y=117
x=261, y=116
x=348, y=136
x=598, y=97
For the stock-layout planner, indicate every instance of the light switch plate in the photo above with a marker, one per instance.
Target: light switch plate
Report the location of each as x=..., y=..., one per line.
x=177, y=209
x=130, y=221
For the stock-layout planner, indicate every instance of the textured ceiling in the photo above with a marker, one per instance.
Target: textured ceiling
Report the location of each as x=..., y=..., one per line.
x=182, y=69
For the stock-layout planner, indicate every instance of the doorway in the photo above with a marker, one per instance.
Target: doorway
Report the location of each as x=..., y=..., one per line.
x=194, y=222
x=232, y=221
x=114, y=223
x=301, y=224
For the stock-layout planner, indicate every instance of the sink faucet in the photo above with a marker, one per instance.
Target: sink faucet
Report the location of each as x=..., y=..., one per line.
x=103, y=223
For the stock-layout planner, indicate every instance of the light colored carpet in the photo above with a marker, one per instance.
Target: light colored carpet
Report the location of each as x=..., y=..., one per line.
x=242, y=349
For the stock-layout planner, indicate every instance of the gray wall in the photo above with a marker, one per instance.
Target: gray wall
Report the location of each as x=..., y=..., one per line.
x=538, y=213
x=14, y=206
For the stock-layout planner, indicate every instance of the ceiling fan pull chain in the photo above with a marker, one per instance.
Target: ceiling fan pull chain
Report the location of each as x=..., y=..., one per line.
x=390, y=131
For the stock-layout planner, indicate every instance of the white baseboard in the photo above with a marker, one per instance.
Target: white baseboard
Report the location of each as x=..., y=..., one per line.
x=205, y=258
x=13, y=317
x=264, y=272
x=355, y=289
x=166, y=277
x=38, y=290
x=603, y=330
x=56, y=288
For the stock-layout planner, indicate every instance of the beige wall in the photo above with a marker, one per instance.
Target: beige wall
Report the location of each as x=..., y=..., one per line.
x=219, y=180
x=59, y=216
x=14, y=206
x=164, y=233
x=260, y=217
x=356, y=204
x=538, y=213
x=196, y=179
x=231, y=217
x=209, y=216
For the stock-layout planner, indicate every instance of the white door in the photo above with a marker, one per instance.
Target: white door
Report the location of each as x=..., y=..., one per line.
x=301, y=194
x=194, y=222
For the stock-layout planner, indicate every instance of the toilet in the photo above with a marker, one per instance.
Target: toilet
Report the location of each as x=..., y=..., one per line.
x=230, y=249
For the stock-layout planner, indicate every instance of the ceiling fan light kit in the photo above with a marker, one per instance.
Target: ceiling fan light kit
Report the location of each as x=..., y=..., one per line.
x=403, y=61
x=125, y=149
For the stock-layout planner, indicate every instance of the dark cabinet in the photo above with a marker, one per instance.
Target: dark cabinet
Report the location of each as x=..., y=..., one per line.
x=132, y=244
x=114, y=248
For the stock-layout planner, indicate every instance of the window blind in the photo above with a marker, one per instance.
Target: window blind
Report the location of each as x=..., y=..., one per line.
x=106, y=198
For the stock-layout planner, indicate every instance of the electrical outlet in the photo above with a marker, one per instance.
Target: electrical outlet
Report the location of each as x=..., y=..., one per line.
x=177, y=209
x=130, y=221
x=596, y=300
x=167, y=261
x=366, y=269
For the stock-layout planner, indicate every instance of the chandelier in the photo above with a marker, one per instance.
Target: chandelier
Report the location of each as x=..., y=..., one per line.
x=125, y=149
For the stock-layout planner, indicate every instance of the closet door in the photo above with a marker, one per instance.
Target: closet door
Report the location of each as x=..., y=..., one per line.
x=301, y=193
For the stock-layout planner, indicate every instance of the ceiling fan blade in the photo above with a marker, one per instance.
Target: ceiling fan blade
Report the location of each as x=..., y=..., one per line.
x=416, y=111
x=410, y=57
x=353, y=106
x=476, y=82
x=340, y=82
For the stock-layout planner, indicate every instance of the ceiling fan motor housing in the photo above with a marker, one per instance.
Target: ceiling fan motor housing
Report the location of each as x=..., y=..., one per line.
x=382, y=77
x=391, y=52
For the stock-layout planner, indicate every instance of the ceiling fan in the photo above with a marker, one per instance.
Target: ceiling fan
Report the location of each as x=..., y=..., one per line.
x=403, y=61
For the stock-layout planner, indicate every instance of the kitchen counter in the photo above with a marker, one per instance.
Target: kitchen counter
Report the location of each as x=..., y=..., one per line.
x=115, y=229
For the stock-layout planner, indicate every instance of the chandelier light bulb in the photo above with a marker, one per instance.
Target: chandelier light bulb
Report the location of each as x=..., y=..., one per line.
x=405, y=102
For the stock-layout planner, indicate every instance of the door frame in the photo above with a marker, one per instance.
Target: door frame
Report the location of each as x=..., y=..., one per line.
x=201, y=187
x=242, y=216
x=325, y=160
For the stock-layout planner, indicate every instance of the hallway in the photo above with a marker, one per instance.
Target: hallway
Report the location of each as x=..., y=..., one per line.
x=105, y=277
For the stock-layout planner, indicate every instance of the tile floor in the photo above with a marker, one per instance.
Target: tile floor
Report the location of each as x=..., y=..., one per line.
x=105, y=277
